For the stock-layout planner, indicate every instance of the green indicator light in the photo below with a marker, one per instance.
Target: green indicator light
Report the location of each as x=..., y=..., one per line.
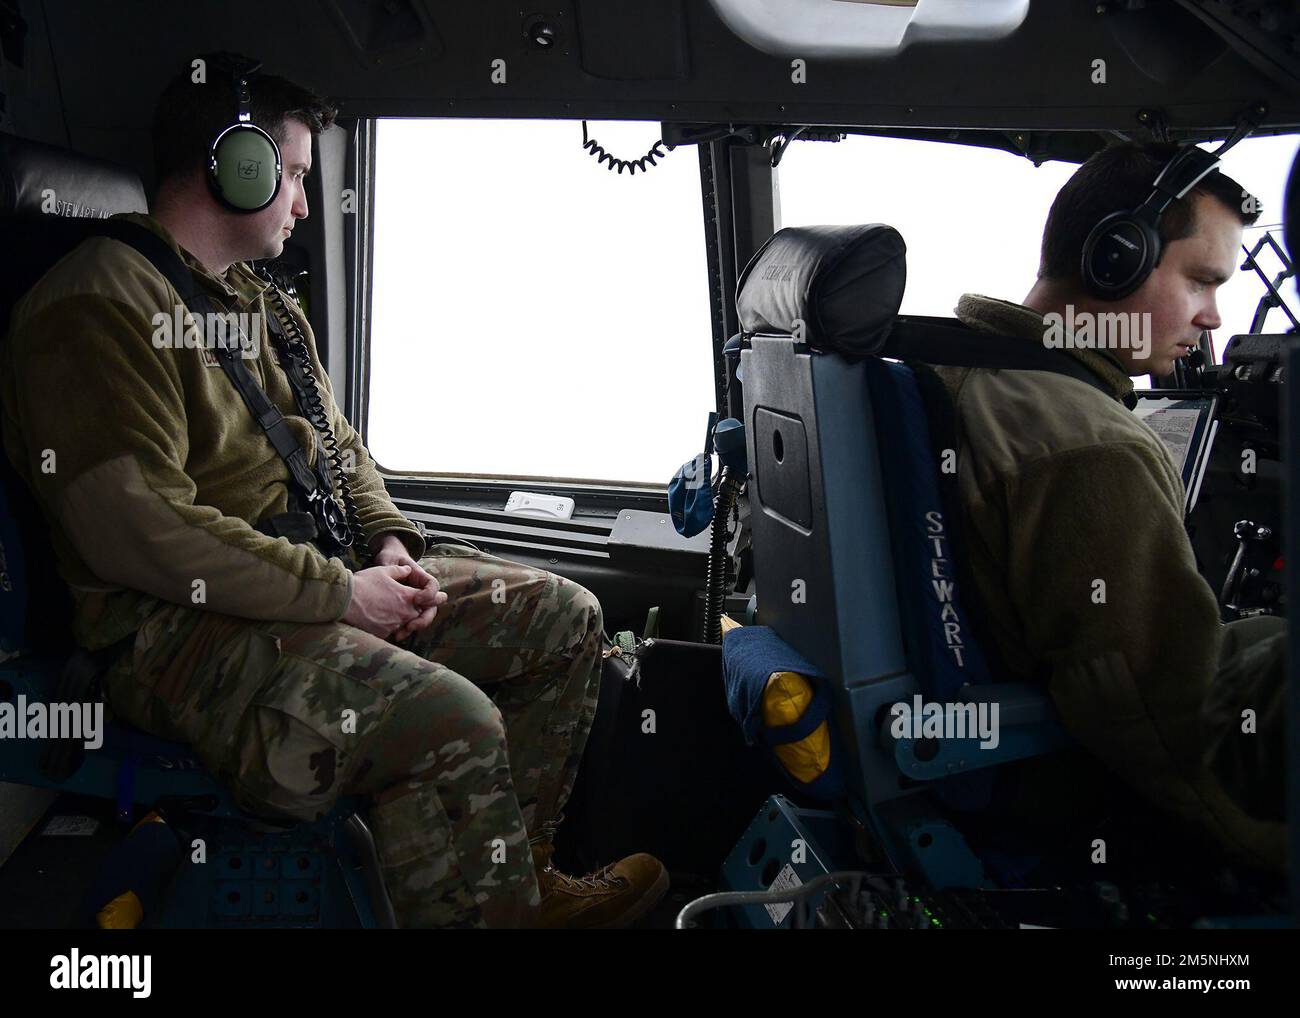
x=1151, y=917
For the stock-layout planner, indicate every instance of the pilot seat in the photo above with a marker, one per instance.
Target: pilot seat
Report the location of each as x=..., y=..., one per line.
x=858, y=567
x=251, y=872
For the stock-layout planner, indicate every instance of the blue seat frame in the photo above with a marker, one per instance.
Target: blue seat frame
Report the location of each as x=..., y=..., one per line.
x=821, y=525
x=249, y=872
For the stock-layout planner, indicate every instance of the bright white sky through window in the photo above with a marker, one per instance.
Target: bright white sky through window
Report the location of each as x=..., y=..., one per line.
x=535, y=314
x=973, y=218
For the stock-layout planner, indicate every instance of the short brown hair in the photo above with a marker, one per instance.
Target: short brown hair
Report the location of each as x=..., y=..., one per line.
x=190, y=114
x=1120, y=177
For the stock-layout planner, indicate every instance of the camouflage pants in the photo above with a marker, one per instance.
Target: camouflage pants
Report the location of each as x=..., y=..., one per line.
x=292, y=715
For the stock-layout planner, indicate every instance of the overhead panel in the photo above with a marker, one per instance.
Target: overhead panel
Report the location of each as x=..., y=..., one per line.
x=392, y=34
x=1036, y=73
x=633, y=40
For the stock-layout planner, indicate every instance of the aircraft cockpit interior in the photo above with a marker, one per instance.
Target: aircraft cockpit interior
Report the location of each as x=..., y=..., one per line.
x=363, y=566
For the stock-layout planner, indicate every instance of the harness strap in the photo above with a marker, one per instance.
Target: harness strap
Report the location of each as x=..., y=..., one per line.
x=267, y=415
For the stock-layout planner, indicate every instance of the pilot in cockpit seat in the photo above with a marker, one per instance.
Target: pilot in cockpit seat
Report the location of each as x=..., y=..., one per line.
x=1074, y=526
x=453, y=689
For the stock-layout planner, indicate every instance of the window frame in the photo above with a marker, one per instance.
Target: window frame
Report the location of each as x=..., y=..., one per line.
x=594, y=492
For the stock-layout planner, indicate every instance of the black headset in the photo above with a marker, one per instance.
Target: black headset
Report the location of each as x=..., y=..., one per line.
x=1123, y=249
x=244, y=167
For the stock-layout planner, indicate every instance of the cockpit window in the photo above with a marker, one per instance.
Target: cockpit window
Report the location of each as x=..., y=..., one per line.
x=532, y=313
x=973, y=218
x=1261, y=165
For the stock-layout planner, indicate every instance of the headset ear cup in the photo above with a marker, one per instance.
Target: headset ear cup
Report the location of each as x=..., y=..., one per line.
x=1119, y=255
x=244, y=168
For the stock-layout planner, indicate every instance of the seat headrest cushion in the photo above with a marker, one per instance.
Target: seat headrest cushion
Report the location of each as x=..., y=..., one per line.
x=38, y=179
x=843, y=283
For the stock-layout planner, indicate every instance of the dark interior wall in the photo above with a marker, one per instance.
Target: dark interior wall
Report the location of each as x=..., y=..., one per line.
x=648, y=59
x=32, y=103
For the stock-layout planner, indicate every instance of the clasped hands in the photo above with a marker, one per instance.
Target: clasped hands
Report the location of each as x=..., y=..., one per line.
x=395, y=597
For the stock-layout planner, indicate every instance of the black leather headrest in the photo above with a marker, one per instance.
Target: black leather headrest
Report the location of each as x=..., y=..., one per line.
x=845, y=283
x=40, y=179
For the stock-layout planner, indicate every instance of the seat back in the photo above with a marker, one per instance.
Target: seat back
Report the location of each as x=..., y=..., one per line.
x=47, y=198
x=854, y=553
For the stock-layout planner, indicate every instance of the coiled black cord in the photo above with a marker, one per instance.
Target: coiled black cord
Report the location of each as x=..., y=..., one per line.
x=594, y=147
x=715, y=598
x=316, y=413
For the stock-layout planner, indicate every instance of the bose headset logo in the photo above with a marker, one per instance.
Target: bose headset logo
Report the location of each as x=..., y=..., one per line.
x=1127, y=243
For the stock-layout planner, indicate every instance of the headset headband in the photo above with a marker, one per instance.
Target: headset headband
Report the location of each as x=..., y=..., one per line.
x=1182, y=173
x=244, y=168
x=242, y=72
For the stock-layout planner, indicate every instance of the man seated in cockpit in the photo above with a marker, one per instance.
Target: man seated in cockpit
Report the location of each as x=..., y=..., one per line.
x=1074, y=526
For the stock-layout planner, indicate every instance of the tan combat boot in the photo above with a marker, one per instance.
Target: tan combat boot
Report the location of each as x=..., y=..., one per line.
x=613, y=897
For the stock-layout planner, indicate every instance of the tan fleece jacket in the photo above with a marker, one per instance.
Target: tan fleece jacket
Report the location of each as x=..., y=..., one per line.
x=147, y=462
x=1075, y=537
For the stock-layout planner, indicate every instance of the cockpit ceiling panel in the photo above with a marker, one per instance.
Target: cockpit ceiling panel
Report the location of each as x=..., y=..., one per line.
x=844, y=29
x=1062, y=66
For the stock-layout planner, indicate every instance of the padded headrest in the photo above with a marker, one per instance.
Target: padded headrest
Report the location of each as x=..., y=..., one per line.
x=40, y=179
x=845, y=283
